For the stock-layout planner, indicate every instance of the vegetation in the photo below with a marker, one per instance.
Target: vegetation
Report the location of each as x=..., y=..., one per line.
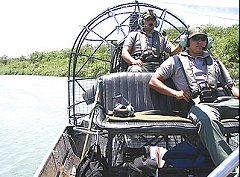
x=55, y=63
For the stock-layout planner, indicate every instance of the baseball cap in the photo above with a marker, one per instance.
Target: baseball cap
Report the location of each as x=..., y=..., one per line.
x=195, y=30
x=148, y=13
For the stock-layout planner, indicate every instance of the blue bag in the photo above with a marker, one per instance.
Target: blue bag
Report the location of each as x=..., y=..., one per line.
x=185, y=155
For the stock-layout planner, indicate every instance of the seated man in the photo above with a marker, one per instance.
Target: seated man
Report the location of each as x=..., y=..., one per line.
x=197, y=74
x=144, y=49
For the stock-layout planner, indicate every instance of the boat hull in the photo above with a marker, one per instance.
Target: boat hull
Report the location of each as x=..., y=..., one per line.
x=61, y=158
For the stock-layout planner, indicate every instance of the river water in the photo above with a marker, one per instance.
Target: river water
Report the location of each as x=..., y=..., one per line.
x=33, y=111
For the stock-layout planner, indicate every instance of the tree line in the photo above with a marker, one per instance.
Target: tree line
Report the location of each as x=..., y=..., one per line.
x=55, y=63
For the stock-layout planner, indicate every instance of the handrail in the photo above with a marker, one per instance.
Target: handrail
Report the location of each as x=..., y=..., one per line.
x=227, y=166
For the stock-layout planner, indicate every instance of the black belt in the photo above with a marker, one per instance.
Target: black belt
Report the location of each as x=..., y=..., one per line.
x=150, y=59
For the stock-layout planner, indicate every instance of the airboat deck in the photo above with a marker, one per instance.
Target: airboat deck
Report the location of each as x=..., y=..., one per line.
x=97, y=81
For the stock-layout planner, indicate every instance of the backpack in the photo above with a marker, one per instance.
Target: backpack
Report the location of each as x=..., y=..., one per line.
x=93, y=164
x=185, y=155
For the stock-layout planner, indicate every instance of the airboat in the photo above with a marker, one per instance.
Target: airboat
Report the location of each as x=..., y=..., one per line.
x=97, y=80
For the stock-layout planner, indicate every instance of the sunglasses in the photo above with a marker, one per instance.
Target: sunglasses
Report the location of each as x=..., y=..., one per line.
x=197, y=37
x=150, y=19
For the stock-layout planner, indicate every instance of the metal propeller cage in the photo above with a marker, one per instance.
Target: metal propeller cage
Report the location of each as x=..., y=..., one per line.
x=96, y=50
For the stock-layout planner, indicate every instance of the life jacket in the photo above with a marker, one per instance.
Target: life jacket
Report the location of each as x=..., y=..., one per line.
x=212, y=76
x=156, y=53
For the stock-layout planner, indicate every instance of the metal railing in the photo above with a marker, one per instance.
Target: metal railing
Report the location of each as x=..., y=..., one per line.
x=227, y=166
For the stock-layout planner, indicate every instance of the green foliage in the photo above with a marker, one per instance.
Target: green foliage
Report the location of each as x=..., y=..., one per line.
x=55, y=63
x=226, y=47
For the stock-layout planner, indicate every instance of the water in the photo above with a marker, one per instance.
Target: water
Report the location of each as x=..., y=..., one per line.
x=33, y=111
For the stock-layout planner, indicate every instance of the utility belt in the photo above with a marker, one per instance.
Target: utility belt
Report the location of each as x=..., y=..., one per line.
x=209, y=95
x=145, y=59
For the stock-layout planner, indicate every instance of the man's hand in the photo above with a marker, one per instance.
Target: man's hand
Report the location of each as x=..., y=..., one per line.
x=183, y=94
x=137, y=62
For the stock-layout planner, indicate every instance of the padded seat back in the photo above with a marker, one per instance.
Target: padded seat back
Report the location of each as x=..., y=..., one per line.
x=134, y=87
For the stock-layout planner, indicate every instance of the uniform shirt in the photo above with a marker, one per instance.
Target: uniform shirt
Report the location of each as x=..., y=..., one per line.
x=171, y=68
x=139, y=41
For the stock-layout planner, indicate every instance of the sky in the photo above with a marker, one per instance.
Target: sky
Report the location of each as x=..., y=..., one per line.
x=46, y=25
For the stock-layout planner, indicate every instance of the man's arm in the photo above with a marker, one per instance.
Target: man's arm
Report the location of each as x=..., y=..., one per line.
x=126, y=55
x=235, y=90
x=128, y=58
x=228, y=79
x=156, y=82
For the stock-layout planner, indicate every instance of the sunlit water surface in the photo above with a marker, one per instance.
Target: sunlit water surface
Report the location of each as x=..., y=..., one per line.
x=33, y=111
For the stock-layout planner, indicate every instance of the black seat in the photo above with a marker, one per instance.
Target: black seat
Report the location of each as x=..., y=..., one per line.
x=153, y=110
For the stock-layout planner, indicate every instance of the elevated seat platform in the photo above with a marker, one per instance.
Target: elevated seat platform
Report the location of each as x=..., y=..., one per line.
x=156, y=115
x=148, y=123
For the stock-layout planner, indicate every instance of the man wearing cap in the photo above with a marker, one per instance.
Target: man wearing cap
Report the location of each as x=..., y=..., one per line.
x=199, y=76
x=144, y=49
